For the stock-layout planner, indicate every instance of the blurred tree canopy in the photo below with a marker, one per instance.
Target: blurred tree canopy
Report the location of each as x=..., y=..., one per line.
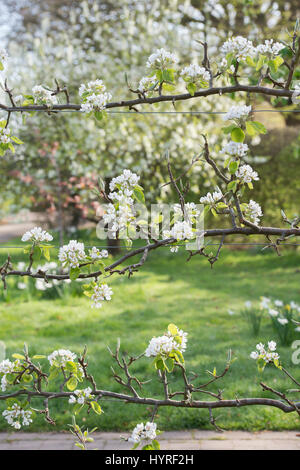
x=74, y=42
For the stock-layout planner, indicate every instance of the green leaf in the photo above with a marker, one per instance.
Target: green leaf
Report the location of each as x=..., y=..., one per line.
x=98, y=115
x=250, y=61
x=17, y=140
x=155, y=445
x=260, y=127
x=168, y=75
x=169, y=364
x=232, y=186
x=237, y=134
x=37, y=252
x=191, y=88
x=159, y=364
x=54, y=372
x=71, y=384
x=96, y=407
x=275, y=63
x=139, y=194
x=18, y=356
x=1, y=66
x=261, y=61
x=74, y=273
x=233, y=167
x=228, y=129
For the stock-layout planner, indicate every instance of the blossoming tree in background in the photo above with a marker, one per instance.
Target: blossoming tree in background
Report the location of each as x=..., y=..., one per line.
x=270, y=67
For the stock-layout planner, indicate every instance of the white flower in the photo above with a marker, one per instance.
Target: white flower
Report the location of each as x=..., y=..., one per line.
x=273, y=312
x=253, y=211
x=80, y=396
x=246, y=174
x=7, y=367
x=239, y=46
x=94, y=97
x=282, y=321
x=22, y=285
x=95, y=254
x=269, y=48
x=230, y=312
x=43, y=96
x=161, y=59
x=17, y=417
x=194, y=73
x=167, y=343
x=143, y=432
x=267, y=355
x=235, y=148
x=94, y=86
x=60, y=357
x=72, y=254
x=211, y=199
x=100, y=292
x=264, y=302
x=278, y=303
x=4, y=136
x=248, y=304
x=18, y=99
x=237, y=112
x=146, y=83
x=272, y=345
x=37, y=235
x=180, y=231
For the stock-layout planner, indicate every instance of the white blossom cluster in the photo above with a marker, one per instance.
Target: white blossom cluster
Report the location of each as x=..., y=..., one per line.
x=37, y=235
x=100, y=292
x=73, y=254
x=4, y=136
x=143, y=432
x=246, y=174
x=194, y=72
x=239, y=46
x=180, y=231
x=190, y=209
x=211, y=198
x=121, y=191
x=94, y=97
x=253, y=211
x=146, y=83
x=270, y=48
x=60, y=357
x=95, y=253
x=121, y=187
x=17, y=417
x=268, y=354
x=3, y=56
x=167, y=343
x=235, y=148
x=237, y=112
x=7, y=367
x=161, y=59
x=80, y=396
x=43, y=96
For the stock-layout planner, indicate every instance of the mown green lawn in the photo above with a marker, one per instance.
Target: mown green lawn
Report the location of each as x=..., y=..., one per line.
x=167, y=289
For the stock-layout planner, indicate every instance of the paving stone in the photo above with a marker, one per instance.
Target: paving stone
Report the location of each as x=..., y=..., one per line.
x=174, y=440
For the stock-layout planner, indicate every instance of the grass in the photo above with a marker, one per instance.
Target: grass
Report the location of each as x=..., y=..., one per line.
x=167, y=289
